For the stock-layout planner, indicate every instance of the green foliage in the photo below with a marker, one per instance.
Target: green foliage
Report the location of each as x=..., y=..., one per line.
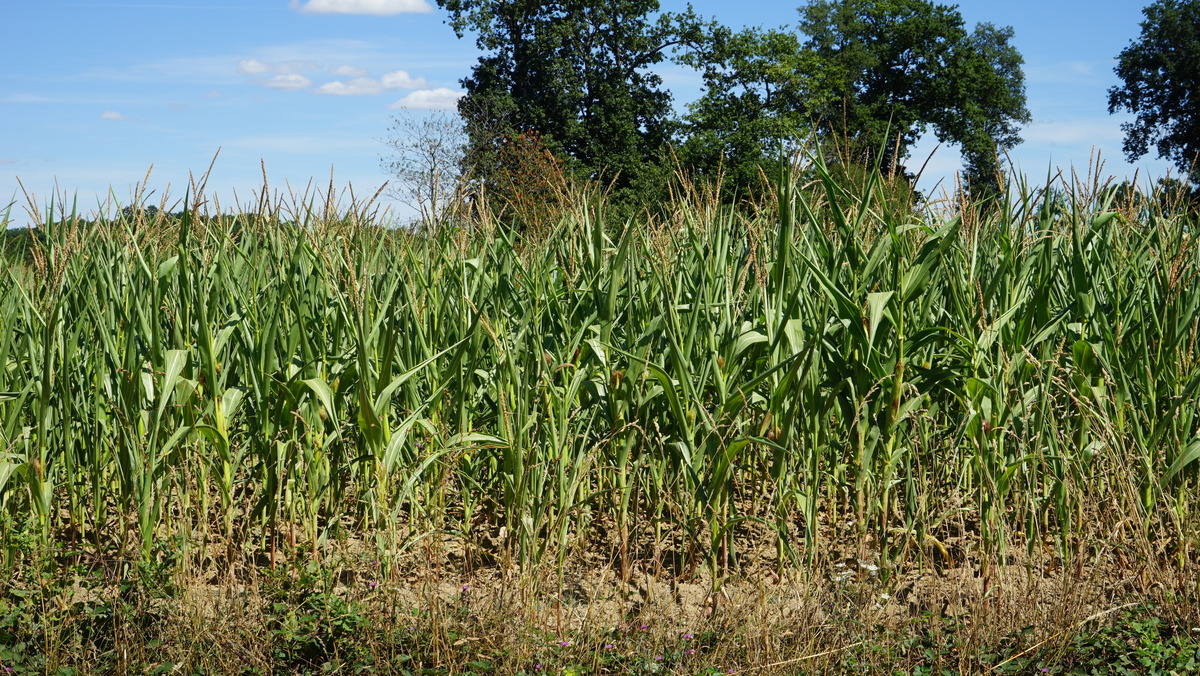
x=211, y=392
x=873, y=76
x=312, y=627
x=1166, y=196
x=1160, y=73
x=760, y=88
x=1136, y=642
x=209, y=378
x=577, y=74
x=902, y=66
x=20, y=243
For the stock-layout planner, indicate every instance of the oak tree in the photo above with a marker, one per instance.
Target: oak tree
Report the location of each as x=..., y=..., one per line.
x=1160, y=73
x=576, y=73
x=873, y=75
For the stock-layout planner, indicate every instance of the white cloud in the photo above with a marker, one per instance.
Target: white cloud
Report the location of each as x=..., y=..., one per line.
x=214, y=95
x=253, y=67
x=375, y=7
x=363, y=86
x=8, y=160
x=256, y=67
x=290, y=82
x=399, y=79
x=429, y=99
x=357, y=87
x=113, y=115
x=221, y=70
x=349, y=71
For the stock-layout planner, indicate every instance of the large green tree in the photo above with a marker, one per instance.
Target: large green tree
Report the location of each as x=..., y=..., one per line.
x=872, y=74
x=760, y=89
x=1161, y=85
x=575, y=73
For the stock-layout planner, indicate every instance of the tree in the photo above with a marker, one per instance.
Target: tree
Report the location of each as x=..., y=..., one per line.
x=869, y=73
x=134, y=213
x=989, y=93
x=1161, y=76
x=1166, y=196
x=574, y=72
x=427, y=161
x=901, y=66
x=759, y=88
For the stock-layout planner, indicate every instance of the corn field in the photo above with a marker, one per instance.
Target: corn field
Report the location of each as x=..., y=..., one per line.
x=278, y=379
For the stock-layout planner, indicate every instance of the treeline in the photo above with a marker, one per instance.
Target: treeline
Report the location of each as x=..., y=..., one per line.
x=568, y=91
x=143, y=224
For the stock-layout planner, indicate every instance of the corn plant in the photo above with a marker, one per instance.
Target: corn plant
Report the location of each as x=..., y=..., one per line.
x=272, y=380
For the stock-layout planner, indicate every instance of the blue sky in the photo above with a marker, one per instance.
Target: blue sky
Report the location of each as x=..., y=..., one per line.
x=94, y=94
